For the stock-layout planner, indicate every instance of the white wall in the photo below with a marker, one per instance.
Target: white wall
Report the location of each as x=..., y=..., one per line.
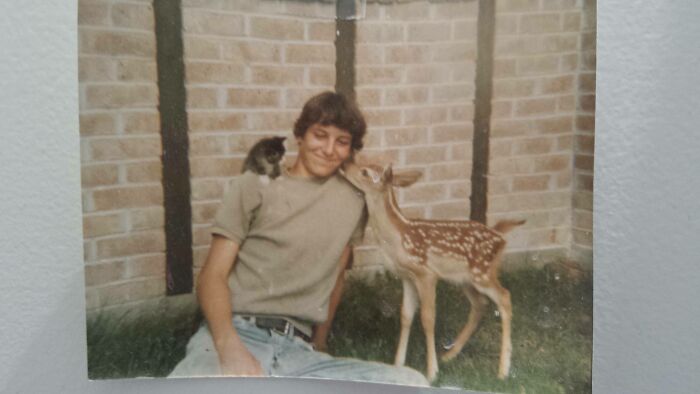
x=647, y=198
x=647, y=220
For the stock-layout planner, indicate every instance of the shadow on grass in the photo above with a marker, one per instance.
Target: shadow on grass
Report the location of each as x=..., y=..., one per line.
x=552, y=335
x=122, y=347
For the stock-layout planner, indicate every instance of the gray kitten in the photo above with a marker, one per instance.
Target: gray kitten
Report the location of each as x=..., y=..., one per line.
x=265, y=156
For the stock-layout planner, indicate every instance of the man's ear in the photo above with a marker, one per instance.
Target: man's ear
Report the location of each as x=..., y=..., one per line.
x=406, y=178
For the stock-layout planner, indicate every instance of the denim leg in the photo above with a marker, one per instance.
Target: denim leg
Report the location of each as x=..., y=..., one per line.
x=258, y=341
x=281, y=355
x=201, y=358
x=297, y=358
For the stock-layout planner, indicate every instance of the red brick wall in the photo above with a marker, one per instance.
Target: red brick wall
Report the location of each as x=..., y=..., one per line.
x=415, y=68
x=250, y=65
x=415, y=81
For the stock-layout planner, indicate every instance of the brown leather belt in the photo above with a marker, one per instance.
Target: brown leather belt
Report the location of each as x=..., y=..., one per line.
x=278, y=325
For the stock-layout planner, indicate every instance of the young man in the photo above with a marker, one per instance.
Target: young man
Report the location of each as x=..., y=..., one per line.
x=278, y=251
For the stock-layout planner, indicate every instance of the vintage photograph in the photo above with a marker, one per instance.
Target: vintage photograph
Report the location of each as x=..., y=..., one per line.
x=391, y=191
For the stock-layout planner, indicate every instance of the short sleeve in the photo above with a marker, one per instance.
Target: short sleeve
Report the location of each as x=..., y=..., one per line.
x=359, y=233
x=238, y=207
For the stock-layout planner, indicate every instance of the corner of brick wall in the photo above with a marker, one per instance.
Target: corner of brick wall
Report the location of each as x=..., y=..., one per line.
x=120, y=153
x=582, y=231
x=534, y=121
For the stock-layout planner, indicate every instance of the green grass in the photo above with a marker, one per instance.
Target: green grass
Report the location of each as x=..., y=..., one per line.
x=552, y=333
x=552, y=336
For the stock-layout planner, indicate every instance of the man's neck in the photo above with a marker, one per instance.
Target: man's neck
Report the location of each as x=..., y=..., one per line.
x=298, y=170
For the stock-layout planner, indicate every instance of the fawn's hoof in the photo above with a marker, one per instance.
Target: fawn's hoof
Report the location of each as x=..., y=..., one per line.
x=431, y=376
x=448, y=356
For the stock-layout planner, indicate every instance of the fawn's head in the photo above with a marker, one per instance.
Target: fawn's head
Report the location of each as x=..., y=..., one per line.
x=374, y=180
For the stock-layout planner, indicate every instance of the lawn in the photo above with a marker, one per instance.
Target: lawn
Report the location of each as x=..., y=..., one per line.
x=552, y=335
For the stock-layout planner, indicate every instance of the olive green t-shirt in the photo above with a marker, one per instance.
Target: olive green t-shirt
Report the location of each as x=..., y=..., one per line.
x=291, y=233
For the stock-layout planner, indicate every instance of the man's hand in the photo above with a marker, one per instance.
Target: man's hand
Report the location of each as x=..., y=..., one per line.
x=236, y=360
x=215, y=300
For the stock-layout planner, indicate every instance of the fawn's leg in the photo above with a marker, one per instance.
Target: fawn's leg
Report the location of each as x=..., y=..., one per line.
x=426, y=293
x=476, y=311
x=501, y=297
x=408, y=309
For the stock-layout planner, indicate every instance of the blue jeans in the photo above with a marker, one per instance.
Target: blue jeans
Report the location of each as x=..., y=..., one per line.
x=286, y=355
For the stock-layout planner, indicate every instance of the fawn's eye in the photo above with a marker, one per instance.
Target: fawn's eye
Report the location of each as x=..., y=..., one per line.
x=364, y=172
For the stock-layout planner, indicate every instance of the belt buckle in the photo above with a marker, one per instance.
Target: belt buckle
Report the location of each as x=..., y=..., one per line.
x=287, y=328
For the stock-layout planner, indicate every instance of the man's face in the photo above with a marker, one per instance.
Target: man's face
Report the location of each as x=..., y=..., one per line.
x=322, y=150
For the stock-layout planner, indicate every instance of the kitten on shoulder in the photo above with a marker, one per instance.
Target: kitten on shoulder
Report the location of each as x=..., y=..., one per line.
x=265, y=156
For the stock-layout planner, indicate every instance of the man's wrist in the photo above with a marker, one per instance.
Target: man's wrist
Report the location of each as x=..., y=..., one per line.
x=229, y=341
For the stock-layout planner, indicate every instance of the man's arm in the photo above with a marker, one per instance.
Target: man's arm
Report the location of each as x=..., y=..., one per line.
x=215, y=300
x=321, y=331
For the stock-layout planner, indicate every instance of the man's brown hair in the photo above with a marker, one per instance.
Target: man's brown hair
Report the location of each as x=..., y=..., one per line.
x=331, y=108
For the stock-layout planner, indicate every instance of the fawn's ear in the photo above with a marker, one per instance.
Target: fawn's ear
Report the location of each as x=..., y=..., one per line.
x=376, y=177
x=406, y=178
x=388, y=174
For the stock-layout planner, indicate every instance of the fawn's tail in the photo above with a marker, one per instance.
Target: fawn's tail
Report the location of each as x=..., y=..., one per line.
x=506, y=225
